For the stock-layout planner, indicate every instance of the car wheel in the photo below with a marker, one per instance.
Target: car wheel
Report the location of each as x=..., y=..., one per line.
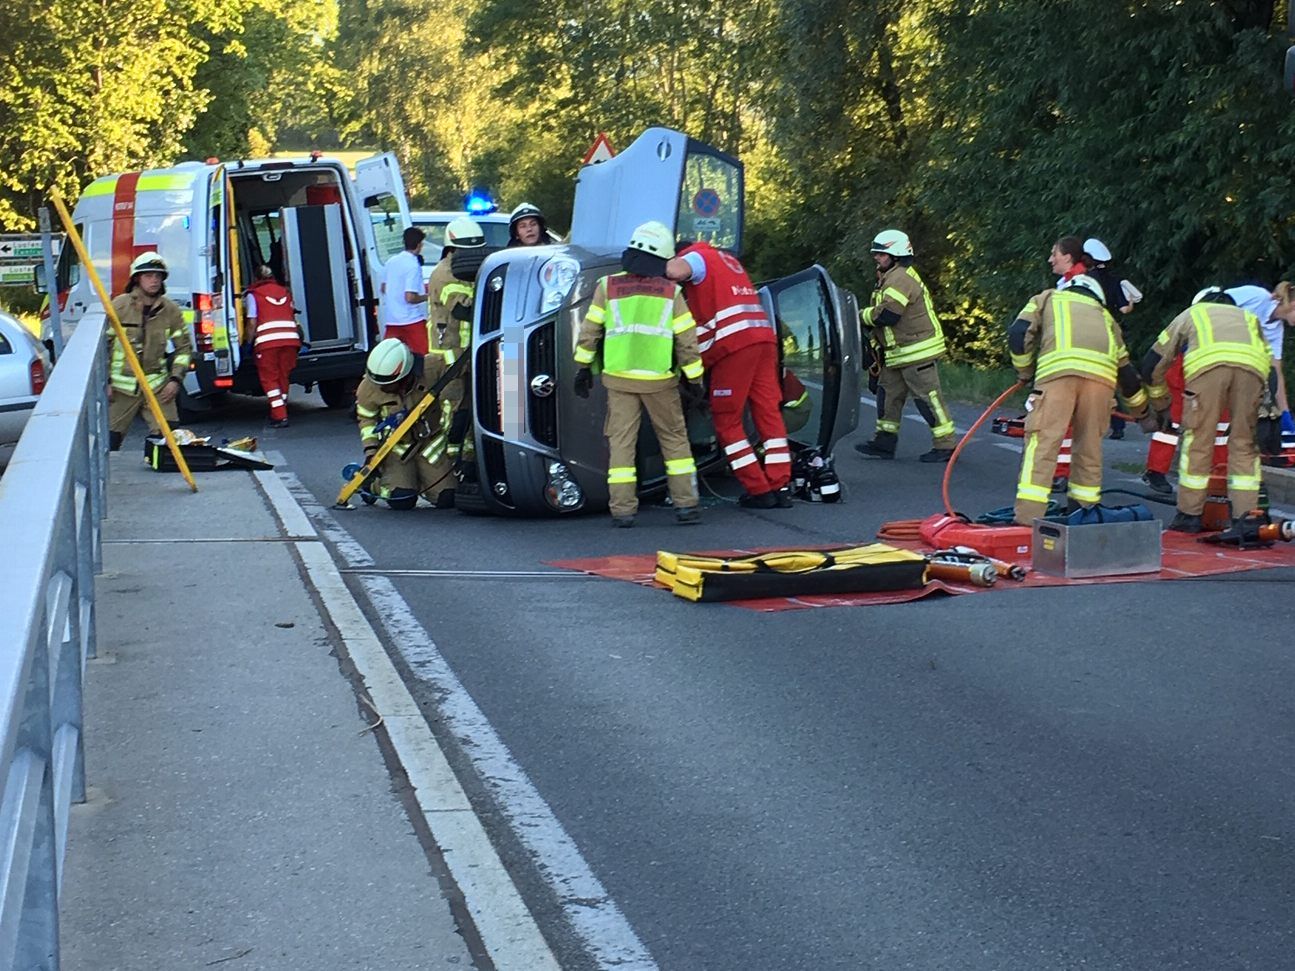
x=337, y=393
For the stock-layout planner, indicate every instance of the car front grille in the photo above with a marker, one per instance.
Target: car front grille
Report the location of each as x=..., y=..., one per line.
x=492, y=300
x=485, y=376
x=542, y=410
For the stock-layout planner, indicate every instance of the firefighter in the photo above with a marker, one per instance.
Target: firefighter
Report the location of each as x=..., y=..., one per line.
x=276, y=340
x=403, y=294
x=151, y=321
x=1225, y=366
x=648, y=337
x=527, y=226
x=395, y=380
x=450, y=323
x=739, y=351
x=909, y=341
x=1066, y=343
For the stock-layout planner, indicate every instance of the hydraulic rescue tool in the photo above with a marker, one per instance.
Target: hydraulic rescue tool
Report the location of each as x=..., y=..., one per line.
x=364, y=472
x=1254, y=531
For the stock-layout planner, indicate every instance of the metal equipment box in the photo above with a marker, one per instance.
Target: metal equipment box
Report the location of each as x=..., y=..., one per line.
x=1097, y=549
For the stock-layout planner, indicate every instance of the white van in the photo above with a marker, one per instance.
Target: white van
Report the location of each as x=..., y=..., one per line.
x=325, y=235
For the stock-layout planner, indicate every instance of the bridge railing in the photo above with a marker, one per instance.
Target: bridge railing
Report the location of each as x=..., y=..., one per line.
x=52, y=498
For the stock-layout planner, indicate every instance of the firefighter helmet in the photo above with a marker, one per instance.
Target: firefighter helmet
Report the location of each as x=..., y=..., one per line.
x=525, y=211
x=150, y=262
x=1209, y=294
x=389, y=362
x=892, y=242
x=464, y=233
x=655, y=239
x=1097, y=250
x=1082, y=281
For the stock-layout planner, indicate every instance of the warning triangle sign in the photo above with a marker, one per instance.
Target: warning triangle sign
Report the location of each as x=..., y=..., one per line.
x=600, y=151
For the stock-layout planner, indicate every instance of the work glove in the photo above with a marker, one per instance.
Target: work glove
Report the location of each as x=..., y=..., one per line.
x=693, y=393
x=1288, y=423
x=584, y=382
x=1150, y=421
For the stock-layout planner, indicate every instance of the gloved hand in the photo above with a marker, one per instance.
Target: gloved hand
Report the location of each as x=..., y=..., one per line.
x=369, y=452
x=693, y=393
x=1150, y=421
x=1288, y=423
x=584, y=382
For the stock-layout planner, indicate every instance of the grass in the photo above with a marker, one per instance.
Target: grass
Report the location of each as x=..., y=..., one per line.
x=978, y=386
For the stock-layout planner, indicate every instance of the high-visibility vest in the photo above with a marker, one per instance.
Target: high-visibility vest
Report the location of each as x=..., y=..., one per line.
x=1078, y=338
x=1225, y=335
x=638, y=334
x=726, y=306
x=276, y=326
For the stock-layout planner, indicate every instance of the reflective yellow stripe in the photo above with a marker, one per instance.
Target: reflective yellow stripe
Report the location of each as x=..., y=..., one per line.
x=1210, y=351
x=895, y=295
x=1247, y=482
x=683, y=322
x=680, y=467
x=944, y=426
x=693, y=371
x=1084, y=493
x=450, y=289
x=913, y=353
x=1025, y=487
x=584, y=355
x=887, y=426
x=100, y=187
x=164, y=183
x=622, y=476
x=365, y=412
x=1137, y=399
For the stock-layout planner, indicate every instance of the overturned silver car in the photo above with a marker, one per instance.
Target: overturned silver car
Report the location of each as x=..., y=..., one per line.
x=539, y=448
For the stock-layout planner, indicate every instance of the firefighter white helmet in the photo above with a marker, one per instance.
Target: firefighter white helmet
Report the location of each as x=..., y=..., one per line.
x=525, y=211
x=150, y=262
x=389, y=362
x=1096, y=249
x=1207, y=294
x=654, y=239
x=892, y=242
x=464, y=233
x=1082, y=281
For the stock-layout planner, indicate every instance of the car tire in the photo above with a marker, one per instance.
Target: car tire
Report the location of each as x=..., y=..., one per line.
x=337, y=393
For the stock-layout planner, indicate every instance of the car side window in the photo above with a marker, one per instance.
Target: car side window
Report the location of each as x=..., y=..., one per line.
x=5, y=346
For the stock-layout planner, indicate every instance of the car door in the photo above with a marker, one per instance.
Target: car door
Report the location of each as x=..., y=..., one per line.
x=384, y=212
x=818, y=330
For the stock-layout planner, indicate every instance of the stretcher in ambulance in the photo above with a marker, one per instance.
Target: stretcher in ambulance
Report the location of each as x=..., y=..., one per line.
x=539, y=448
x=324, y=234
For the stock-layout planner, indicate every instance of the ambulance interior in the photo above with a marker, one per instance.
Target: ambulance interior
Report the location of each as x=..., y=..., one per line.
x=292, y=219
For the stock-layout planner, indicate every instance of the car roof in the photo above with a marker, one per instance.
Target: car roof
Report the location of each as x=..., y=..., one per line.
x=438, y=216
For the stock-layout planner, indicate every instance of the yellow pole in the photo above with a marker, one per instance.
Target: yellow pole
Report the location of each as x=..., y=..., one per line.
x=74, y=238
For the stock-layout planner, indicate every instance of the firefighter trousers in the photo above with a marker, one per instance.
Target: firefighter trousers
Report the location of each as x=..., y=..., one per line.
x=273, y=367
x=665, y=412
x=922, y=381
x=749, y=376
x=124, y=407
x=1160, y=453
x=1208, y=395
x=428, y=472
x=1084, y=406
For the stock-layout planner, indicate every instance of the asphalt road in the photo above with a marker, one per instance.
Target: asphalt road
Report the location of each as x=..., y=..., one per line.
x=1084, y=777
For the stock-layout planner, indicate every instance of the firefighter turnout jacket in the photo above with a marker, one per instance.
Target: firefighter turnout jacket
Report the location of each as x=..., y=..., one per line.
x=1208, y=335
x=449, y=332
x=149, y=331
x=647, y=333
x=904, y=319
x=379, y=410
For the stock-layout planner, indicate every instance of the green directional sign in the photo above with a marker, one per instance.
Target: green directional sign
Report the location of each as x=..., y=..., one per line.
x=23, y=246
x=15, y=275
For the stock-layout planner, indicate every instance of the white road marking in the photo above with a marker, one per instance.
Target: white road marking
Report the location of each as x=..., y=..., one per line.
x=294, y=519
x=475, y=574
x=585, y=902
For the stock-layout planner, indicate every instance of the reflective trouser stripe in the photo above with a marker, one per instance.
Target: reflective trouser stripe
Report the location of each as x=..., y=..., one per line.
x=683, y=466
x=888, y=426
x=1082, y=493
x=624, y=475
x=945, y=426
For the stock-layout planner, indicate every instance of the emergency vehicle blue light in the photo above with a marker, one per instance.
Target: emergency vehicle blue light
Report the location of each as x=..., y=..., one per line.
x=478, y=202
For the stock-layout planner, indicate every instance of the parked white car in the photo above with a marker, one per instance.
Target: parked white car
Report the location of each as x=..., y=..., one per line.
x=24, y=369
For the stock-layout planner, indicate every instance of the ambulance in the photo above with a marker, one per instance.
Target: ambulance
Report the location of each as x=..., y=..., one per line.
x=325, y=234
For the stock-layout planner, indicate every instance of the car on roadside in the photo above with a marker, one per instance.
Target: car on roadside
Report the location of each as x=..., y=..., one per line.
x=24, y=369
x=493, y=224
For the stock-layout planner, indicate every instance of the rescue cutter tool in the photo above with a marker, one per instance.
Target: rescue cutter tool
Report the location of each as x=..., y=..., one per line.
x=364, y=472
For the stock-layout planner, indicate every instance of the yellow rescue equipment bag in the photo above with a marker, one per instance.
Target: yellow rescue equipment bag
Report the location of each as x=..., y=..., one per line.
x=790, y=573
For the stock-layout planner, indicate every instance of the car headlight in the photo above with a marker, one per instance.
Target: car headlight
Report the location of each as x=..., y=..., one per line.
x=557, y=276
x=562, y=492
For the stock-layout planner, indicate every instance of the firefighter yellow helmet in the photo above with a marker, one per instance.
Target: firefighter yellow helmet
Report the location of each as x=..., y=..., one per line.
x=389, y=362
x=150, y=262
x=464, y=233
x=892, y=242
x=653, y=238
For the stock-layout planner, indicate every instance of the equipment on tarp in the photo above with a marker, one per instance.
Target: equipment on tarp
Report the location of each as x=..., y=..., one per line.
x=813, y=477
x=1096, y=548
x=200, y=455
x=360, y=477
x=1253, y=531
x=790, y=573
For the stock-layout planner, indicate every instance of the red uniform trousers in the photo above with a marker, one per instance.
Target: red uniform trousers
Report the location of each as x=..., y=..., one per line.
x=1160, y=453
x=414, y=336
x=273, y=366
x=749, y=376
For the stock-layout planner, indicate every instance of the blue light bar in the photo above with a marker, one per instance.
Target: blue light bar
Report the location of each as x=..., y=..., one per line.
x=478, y=202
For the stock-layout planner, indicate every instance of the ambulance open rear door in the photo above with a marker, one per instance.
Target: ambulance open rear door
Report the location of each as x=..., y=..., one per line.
x=384, y=215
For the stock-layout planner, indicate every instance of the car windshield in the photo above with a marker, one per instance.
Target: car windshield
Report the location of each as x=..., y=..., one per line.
x=167, y=234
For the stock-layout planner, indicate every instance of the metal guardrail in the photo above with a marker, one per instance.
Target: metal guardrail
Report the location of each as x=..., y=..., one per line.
x=52, y=499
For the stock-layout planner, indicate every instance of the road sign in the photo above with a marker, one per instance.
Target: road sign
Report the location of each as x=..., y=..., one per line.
x=600, y=151
x=23, y=246
x=705, y=202
x=16, y=274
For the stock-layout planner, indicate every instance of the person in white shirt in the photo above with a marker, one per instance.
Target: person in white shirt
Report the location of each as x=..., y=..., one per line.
x=404, y=295
x=1276, y=311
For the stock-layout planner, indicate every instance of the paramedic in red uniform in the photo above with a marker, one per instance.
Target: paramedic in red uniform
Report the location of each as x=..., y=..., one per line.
x=740, y=353
x=276, y=340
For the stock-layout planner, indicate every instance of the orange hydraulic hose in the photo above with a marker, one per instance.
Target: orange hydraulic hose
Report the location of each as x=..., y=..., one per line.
x=948, y=469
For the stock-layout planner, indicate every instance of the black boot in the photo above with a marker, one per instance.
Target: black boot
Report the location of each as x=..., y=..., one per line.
x=114, y=441
x=882, y=446
x=936, y=455
x=1186, y=523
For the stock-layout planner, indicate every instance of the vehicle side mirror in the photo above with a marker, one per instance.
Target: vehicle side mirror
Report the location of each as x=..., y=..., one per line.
x=39, y=282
